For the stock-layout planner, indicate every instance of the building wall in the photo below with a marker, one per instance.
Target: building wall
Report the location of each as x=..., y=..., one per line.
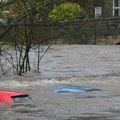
x=107, y=8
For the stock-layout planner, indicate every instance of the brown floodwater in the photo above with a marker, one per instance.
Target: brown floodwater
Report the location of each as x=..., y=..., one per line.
x=85, y=66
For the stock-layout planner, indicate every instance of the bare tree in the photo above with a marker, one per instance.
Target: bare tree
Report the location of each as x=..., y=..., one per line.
x=21, y=31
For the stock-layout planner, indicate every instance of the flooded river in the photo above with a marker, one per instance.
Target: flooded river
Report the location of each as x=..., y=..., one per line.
x=85, y=66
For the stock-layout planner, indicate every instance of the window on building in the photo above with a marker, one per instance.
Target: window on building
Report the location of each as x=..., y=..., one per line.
x=116, y=7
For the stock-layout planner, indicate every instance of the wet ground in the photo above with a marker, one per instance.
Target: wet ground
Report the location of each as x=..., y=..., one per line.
x=69, y=66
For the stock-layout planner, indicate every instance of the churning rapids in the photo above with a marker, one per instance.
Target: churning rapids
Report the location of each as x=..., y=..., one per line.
x=89, y=66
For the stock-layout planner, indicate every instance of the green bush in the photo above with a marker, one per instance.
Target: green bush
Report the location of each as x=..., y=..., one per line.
x=66, y=11
x=4, y=43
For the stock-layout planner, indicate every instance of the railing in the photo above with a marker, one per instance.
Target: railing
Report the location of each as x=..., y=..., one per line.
x=86, y=31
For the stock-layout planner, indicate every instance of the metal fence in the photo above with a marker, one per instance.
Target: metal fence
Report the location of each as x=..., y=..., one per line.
x=87, y=31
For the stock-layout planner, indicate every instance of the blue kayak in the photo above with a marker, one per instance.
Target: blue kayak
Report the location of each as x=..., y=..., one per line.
x=74, y=90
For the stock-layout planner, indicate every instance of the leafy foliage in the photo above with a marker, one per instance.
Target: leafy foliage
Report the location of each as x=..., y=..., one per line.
x=65, y=11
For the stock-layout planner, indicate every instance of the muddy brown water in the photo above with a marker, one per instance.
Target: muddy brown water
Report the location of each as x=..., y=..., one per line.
x=69, y=66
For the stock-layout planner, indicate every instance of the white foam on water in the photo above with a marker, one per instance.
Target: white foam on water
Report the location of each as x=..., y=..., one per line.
x=27, y=83
x=53, y=81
